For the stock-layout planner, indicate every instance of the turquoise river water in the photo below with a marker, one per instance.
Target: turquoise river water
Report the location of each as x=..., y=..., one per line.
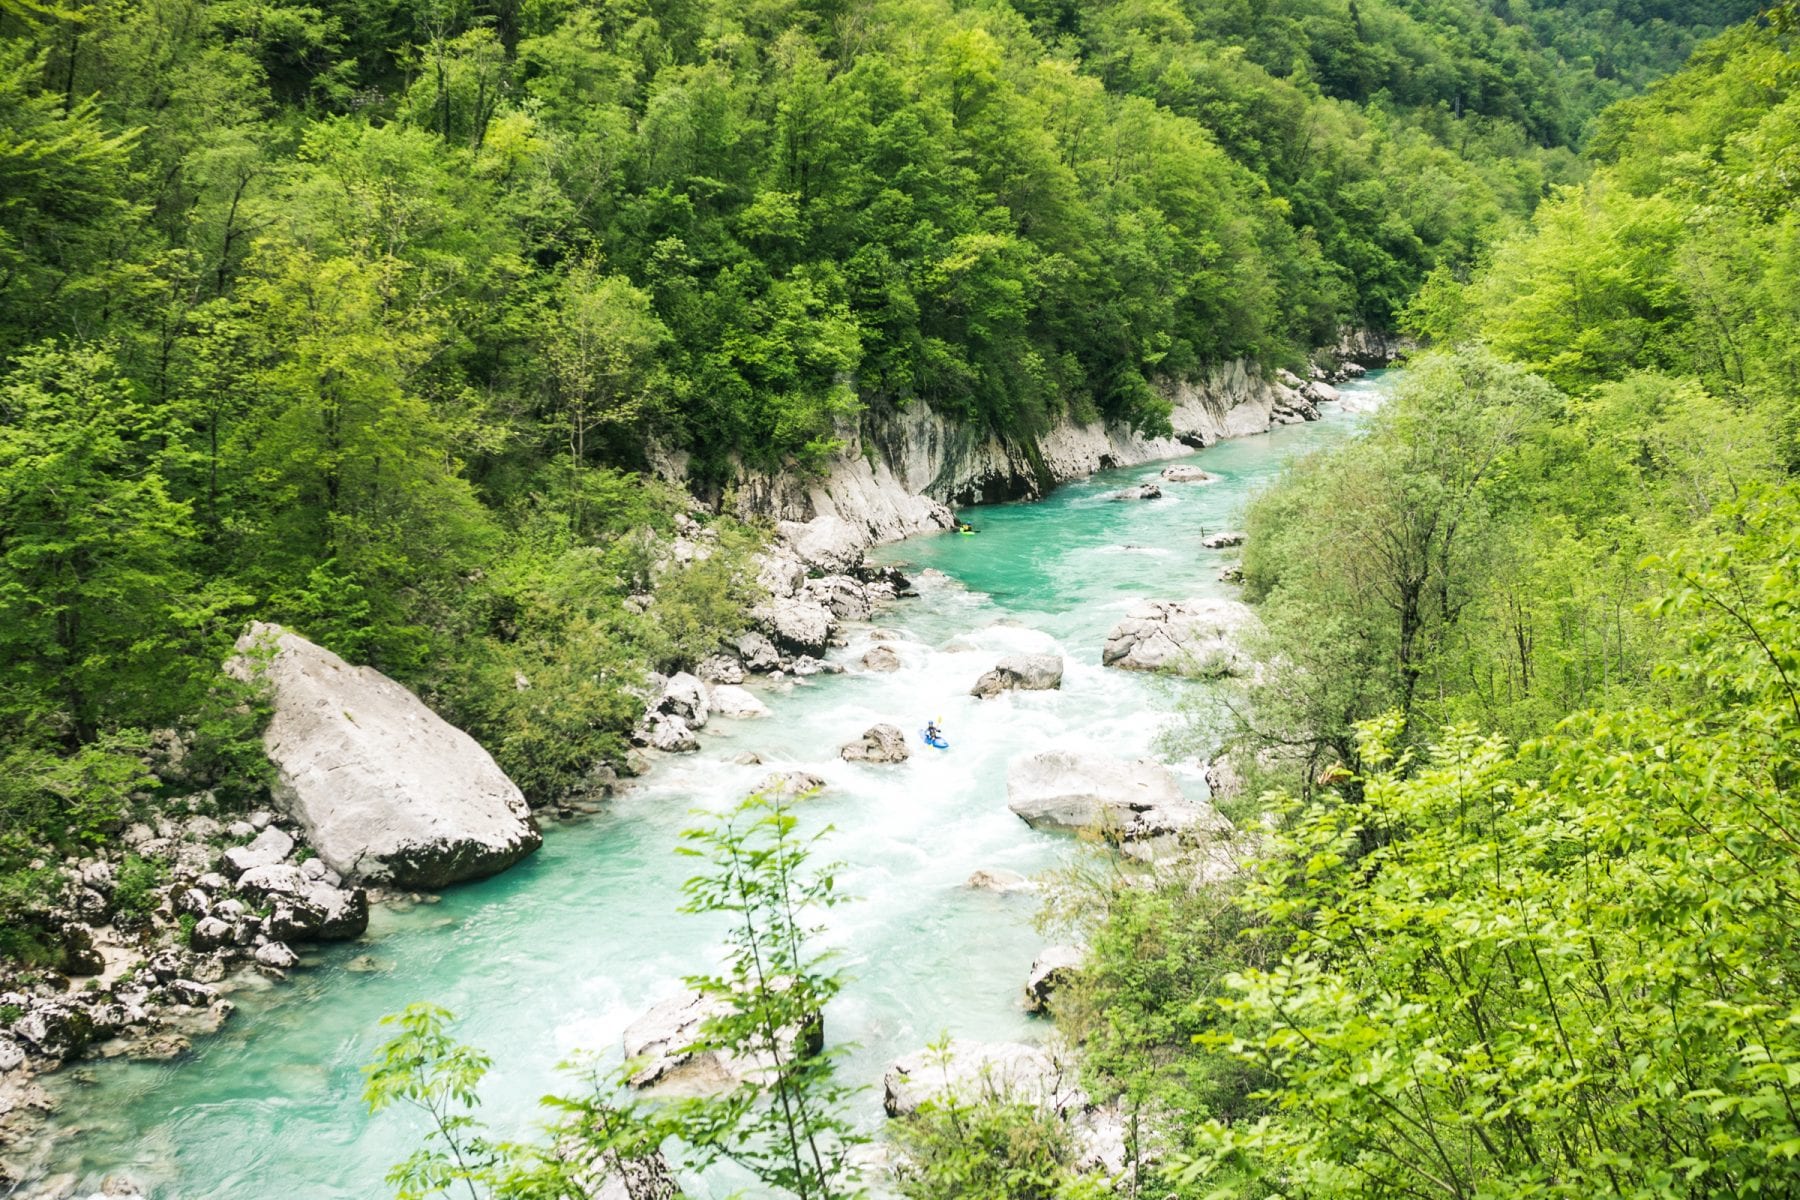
x=558, y=955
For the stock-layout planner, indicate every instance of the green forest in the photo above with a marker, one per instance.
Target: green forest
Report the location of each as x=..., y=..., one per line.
x=420, y=326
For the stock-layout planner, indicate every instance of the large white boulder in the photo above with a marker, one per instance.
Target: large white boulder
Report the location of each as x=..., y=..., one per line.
x=975, y=1071
x=1126, y=801
x=385, y=789
x=1189, y=637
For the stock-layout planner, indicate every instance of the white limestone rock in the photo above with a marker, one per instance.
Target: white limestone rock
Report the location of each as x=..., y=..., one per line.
x=384, y=788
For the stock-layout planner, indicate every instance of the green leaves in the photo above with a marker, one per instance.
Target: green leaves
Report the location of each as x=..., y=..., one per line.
x=784, y=1122
x=1562, y=964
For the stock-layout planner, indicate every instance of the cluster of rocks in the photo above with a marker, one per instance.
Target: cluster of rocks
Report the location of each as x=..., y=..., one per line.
x=1297, y=399
x=1191, y=637
x=146, y=952
x=680, y=705
x=816, y=579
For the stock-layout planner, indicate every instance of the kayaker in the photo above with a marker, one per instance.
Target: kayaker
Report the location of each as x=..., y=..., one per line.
x=932, y=732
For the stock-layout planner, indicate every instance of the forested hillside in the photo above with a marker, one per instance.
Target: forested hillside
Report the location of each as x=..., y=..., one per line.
x=358, y=317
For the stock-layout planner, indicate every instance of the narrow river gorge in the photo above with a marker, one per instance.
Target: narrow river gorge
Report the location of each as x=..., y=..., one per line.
x=559, y=954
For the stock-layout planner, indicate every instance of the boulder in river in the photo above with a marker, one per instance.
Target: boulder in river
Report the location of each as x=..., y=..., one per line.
x=668, y=733
x=1190, y=637
x=975, y=1071
x=790, y=783
x=737, y=703
x=878, y=744
x=1051, y=970
x=1224, y=539
x=881, y=658
x=1188, y=474
x=844, y=597
x=385, y=789
x=1142, y=491
x=1021, y=672
x=999, y=879
x=685, y=696
x=1126, y=801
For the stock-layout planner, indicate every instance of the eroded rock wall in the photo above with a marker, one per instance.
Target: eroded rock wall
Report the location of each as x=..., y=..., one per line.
x=900, y=468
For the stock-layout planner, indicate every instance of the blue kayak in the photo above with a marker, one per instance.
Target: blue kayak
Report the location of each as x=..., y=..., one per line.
x=939, y=743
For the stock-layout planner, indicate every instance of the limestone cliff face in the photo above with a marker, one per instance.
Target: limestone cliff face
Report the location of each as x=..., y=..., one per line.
x=899, y=469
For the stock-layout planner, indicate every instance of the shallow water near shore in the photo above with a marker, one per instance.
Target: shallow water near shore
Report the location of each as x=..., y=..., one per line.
x=559, y=954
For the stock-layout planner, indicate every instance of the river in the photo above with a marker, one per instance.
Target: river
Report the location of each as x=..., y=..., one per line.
x=559, y=954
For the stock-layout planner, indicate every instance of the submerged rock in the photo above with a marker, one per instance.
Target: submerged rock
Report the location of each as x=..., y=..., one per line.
x=879, y=744
x=881, y=658
x=1192, y=637
x=1021, y=672
x=385, y=789
x=999, y=879
x=1125, y=801
x=1143, y=491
